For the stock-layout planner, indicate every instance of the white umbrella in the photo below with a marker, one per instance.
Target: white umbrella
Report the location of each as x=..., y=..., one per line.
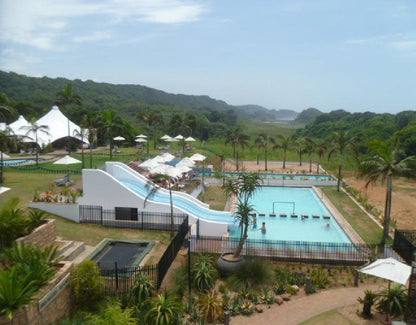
x=119, y=138
x=165, y=137
x=171, y=140
x=149, y=163
x=67, y=160
x=190, y=139
x=141, y=136
x=183, y=169
x=141, y=140
x=4, y=156
x=197, y=157
x=160, y=159
x=167, y=156
x=186, y=162
x=390, y=269
x=159, y=169
x=179, y=137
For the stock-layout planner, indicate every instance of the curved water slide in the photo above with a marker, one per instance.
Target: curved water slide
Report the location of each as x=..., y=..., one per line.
x=181, y=201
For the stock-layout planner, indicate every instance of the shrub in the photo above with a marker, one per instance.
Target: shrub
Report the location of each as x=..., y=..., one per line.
x=164, y=310
x=210, y=307
x=319, y=278
x=368, y=301
x=87, y=284
x=246, y=308
x=392, y=301
x=13, y=223
x=204, y=273
x=142, y=290
x=36, y=218
x=266, y=297
x=252, y=274
x=112, y=314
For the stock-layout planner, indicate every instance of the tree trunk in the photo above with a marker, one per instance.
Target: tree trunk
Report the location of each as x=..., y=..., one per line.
x=171, y=209
x=319, y=163
x=241, y=242
x=90, y=155
x=265, y=158
x=387, y=210
x=310, y=164
x=82, y=152
x=339, y=173
x=284, y=159
x=258, y=158
x=300, y=158
x=236, y=158
x=36, y=149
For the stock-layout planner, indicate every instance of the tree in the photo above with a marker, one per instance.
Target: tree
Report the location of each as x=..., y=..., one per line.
x=82, y=134
x=111, y=123
x=299, y=143
x=342, y=142
x=321, y=149
x=310, y=148
x=151, y=119
x=285, y=144
x=263, y=140
x=243, y=188
x=6, y=110
x=386, y=163
x=237, y=138
x=34, y=128
x=64, y=98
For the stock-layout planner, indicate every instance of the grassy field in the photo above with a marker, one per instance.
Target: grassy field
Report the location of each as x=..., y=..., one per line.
x=368, y=230
x=215, y=197
x=330, y=317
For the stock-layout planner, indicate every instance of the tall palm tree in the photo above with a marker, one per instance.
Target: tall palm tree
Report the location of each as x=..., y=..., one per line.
x=341, y=143
x=285, y=144
x=310, y=149
x=150, y=119
x=387, y=162
x=321, y=149
x=299, y=146
x=244, y=188
x=82, y=134
x=34, y=128
x=264, y=140
x=64, y=98
x=111, y=123
x=89, y=123
x=237, y=138
x=6, y=110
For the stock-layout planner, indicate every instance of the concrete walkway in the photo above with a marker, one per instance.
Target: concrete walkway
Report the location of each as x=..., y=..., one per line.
x=304, y=308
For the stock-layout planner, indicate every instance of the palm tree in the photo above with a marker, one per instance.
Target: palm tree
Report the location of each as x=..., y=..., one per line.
x=6, y=110
x=151, y=119
x=387, y=162
x=64, y=98
x=285, y=144
x=237, y=138
x=82, y=134
x=244, y=188
x=310, y=148
x=341, y=144
x=111, y=123
x=34, y=128
x=321, y=149
x=299, y=143
x=263, y=141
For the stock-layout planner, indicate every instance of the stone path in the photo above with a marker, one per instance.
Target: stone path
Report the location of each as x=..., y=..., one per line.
x=304, y=308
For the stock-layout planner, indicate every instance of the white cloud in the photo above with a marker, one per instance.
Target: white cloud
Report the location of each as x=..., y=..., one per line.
x=96, y=36
x=40, y=23
x=404, y=45
x=16, y=61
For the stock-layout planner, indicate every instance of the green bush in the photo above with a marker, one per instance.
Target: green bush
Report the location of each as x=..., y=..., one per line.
x=164, y=310
x=319, y=278
x=392, y=301
x=112, y=314
x=87, y=284
x=204, y=273
x=142, y=290
x=210, y=307
x=253, y=273
x=13, y=223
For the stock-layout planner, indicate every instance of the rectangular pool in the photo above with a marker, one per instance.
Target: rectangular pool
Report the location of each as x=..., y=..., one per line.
x=288, y=200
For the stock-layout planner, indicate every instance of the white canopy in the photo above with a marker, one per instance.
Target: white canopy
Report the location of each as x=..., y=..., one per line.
x=190, y=139
x=186, y=162
x=17, y=127
x=197, y=157
x=4, y=155
x=171, y=140
x=141, y=136
x=58, y=125
x=167, y=170
x=165, y=137
x=390, y=269
x=167, y=156
x=179, y=137
x=140, y=140
x=67, y=160
x=149, y=163
x=119, y=138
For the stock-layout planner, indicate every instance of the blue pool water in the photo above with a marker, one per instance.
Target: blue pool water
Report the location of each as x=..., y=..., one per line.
x=305, y=201
x=16, y=162
x=281, y=176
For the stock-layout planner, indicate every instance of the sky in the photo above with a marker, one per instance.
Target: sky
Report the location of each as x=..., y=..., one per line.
x=352, y=55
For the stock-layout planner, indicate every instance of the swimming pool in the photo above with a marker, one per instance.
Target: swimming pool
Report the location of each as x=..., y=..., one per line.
x=17, y=162
x=286, y=200
x=279, y=176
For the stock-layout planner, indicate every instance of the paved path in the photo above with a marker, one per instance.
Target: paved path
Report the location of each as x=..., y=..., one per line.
x=299, y=310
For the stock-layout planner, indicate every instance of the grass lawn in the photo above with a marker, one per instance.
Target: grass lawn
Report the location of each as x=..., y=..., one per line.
x=368, y=230
x=215, y=197
x=330, y=317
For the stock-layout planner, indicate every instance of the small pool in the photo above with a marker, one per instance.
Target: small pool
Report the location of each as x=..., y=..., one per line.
x=17, y=162
x=289, y=200
x=120, y=254
x=280, y=176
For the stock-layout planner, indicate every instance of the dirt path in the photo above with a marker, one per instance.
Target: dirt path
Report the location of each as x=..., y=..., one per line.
x=304, y=308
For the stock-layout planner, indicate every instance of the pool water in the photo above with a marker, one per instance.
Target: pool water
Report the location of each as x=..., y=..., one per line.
x=300, y=200
x=280, y=176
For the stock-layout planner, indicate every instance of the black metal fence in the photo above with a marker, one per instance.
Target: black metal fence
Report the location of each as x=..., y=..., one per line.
x=144, y=220
x=405, y=244
x=291, y=251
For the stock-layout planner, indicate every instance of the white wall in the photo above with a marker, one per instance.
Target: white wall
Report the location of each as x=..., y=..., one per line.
x=68, y=211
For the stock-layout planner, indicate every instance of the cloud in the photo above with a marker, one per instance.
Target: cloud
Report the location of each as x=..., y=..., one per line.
x=13, y=60
x=40, y=23
x=404, y=42
x=404, y=45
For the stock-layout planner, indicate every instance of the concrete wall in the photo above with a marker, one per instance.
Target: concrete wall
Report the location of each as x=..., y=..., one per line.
x=68, y=211
x=42, y=236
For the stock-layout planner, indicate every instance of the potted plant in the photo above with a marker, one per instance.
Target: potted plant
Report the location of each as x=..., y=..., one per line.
x=243, y=187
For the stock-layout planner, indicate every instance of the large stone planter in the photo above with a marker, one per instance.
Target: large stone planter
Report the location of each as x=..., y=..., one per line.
x=228, y=264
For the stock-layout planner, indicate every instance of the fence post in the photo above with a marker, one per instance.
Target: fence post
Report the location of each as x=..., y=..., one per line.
x=308, y=285
x=189, y=267
x=226, y=317
x=356, y=278
x=116, y=270
x=142, y=221
x=101, y=214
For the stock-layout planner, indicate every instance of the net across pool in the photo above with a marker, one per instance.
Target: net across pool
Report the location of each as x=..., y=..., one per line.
x=300, y=200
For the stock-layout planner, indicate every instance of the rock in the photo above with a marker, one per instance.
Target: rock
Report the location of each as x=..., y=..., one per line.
x=259, y=310
x=279, y=300
x=295, y=287
x=286, y=296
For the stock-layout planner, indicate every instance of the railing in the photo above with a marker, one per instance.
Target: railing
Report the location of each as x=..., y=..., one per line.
x=293, y=251
x=405, y=244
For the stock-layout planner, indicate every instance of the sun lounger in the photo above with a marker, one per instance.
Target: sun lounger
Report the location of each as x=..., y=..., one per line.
x=327, y=216
x=66, y=181
x=305, y=216
x=272, y=214
x=294, y=215
x=262, y=214
x=283, y=215
x=315, y=216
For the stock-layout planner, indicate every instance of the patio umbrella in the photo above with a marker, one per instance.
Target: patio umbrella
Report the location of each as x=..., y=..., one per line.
x=186, y=162
x=171, y=140
x=165, y=137
x=4, y=156
x=140, y=140
x=167, y=156
x=149, y=164
x=198, y=157
x=67, y=160
x=119, y=138
x=189, y=139
x=179, y=137
x=141, y=136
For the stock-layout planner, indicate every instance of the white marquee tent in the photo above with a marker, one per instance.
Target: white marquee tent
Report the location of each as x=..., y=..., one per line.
x=17, y=126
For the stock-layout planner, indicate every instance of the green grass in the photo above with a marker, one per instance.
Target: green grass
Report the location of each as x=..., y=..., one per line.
x=328, y=318
x=215, y=197
x=368, y=230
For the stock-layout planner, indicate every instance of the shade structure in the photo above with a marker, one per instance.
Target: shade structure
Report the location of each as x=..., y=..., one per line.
x=149, y=163
x=165, y=137
x=160, y=159
x=179, y=137
x=4, y=156
x=167, y=156
x=140, y=140
x=389, y=269
x=141, y=136
x=189, y=139
x=186, y=162
x=197, y=157
x=183, y=169
x=119, y=138
x=17, y=127
x=171, y=140
x=67, y=160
